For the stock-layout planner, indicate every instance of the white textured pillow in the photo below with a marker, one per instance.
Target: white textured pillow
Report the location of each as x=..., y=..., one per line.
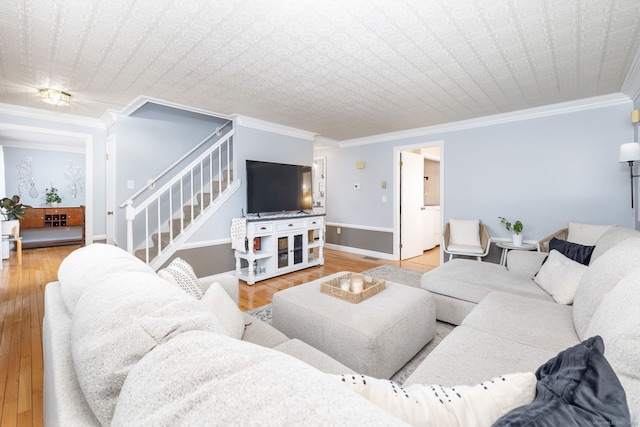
x=118, y=323
x=464, y=232
x=183, y=276
x=435, y=405
x=218, y=301
x=586, y=234
x=560, y=277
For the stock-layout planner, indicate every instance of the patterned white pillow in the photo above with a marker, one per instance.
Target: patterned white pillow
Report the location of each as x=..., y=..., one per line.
x=435, y=405
x=180, y=273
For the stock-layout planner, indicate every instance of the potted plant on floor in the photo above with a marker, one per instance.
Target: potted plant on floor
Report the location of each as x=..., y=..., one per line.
x=12, y=212
x=52, y=196
x=515, y=228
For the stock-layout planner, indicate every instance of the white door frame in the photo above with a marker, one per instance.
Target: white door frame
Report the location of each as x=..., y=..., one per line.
x=110, y=203
x=396, y=190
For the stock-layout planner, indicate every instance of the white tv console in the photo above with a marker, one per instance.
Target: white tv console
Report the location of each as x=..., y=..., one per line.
x=280, y=244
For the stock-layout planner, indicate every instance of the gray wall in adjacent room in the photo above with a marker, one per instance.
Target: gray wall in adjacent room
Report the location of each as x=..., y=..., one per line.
x=50, y=168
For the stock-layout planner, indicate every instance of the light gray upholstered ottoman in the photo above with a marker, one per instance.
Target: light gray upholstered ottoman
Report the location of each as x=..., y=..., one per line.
x=376, y=337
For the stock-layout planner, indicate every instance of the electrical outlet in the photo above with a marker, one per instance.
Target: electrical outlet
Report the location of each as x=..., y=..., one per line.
x=338, y=230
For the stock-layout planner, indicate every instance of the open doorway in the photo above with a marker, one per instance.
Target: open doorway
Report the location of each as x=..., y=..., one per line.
x=418, y=202
x=52, y=140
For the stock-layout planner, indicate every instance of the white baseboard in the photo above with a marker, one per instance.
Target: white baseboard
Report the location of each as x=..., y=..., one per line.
x=359, y=251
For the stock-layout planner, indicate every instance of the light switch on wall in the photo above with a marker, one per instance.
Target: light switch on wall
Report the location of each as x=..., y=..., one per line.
x=130, y=184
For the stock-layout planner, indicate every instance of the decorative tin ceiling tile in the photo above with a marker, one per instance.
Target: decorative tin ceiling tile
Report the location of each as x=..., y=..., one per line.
x=344, y=69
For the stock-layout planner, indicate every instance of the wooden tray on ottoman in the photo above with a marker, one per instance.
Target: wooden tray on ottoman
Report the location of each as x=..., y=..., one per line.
x=332, y=287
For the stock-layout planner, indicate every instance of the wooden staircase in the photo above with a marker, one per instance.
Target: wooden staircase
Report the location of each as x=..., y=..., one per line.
x=191, y=215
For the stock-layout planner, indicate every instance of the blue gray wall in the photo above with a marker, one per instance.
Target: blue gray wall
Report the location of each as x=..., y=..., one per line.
x=254, y=144
x=149, y=141
x=544, y=171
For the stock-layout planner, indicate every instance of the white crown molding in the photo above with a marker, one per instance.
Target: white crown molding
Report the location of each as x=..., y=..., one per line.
x=43, y=138
x=38, y=114
x=109, y=117
x=321, y=142
x=253, y=123
x=631, y=85
x=514, y=116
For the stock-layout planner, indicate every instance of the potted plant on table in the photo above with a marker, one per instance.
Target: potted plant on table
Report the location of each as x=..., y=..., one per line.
x=515, y=228
x=52, y=196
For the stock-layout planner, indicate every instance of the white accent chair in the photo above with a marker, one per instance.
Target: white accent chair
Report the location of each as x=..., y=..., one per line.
x=466, y=237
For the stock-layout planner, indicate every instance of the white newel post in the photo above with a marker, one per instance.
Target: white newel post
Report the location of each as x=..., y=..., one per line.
x=130, y=215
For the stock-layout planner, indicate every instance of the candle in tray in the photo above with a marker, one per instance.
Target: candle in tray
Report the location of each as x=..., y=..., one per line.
x=357, y=283
x=345, y=284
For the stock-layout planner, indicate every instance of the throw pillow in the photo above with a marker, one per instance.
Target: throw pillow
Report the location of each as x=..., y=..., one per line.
x=560, y=276
x=435, y=405
x=578, y=387
x=586, y=234
x=183, y=276
x=216, y=300
x=464, y=232
x=574, y=251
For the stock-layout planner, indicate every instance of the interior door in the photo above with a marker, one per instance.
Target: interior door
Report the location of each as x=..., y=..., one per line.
x=411, y=205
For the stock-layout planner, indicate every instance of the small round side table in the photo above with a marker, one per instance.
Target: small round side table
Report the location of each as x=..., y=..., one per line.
x=507, y=246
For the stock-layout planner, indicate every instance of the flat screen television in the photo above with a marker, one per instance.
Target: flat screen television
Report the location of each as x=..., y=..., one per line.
x=278, y=187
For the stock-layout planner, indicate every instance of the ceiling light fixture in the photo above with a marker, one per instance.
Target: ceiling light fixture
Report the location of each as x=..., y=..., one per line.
x=55, y=97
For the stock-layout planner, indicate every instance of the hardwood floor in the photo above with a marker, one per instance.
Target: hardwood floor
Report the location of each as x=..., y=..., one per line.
x=261, y=293
x=22, y=310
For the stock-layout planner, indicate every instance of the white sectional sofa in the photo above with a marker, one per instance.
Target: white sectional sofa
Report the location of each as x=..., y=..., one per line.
x=508, y=323
x=122, y=346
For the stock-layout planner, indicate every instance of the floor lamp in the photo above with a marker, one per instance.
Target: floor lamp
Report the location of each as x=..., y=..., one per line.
x=630, y=152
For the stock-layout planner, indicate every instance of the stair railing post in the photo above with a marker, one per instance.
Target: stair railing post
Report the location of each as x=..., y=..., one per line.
x=130, y=215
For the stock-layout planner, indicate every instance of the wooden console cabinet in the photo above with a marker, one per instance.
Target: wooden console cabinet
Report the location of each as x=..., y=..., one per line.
x=280, y=245
x=52, y=218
